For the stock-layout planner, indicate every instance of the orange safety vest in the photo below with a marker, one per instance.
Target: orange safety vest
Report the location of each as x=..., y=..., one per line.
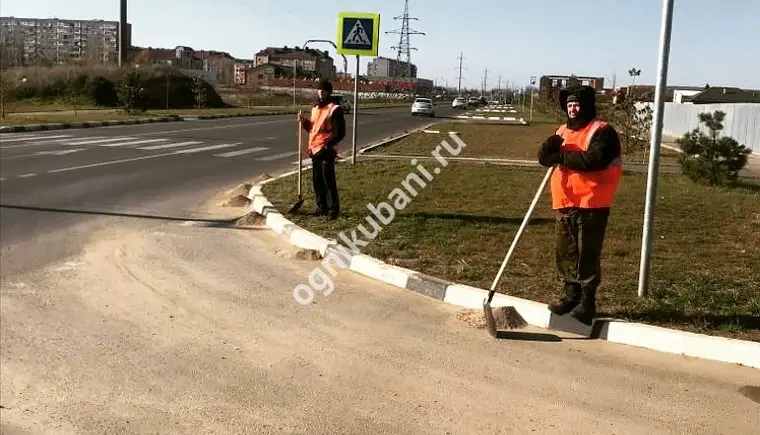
x=595, y=189
x=321, y=128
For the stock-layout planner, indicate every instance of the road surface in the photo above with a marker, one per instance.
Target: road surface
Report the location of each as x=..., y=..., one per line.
x=114, y=324
x=53, y=183
x=156, y=327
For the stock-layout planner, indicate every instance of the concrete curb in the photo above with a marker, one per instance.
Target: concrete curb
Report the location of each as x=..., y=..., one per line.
x=86, y=124
x=534, y=313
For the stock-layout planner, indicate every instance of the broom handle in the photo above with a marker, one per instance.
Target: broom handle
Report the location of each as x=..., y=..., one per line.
x=300, y=156
x=519, y=231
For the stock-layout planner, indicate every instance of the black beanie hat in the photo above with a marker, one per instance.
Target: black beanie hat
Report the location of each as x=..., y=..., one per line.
x=325, y=85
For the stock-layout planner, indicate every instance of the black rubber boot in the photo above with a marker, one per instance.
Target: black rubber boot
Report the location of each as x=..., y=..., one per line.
x=565, y=304
x=586, y=311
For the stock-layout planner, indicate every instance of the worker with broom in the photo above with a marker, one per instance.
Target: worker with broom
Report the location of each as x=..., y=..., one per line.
x=326, y=128
x=586, y=154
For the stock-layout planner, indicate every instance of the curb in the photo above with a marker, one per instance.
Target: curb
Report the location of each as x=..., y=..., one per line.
x=86, y=124
x=728, y=350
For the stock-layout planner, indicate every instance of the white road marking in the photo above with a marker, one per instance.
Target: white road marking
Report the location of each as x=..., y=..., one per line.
x=23, y=139
x=135, y=142
x=276, y=156
x=58, y=153
x=241, y=152
x=27, y=175
x=208, y=148
x=168, y=145
x=27, y=139
x=98, y=140
x=111, y=162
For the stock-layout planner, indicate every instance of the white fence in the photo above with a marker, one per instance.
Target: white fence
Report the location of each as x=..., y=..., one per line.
x=742, y=120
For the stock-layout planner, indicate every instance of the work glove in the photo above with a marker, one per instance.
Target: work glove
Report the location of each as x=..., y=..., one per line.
x=549, y=154
x=552, y=144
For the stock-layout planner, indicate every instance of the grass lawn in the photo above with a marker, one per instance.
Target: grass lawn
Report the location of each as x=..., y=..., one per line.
x=56, y=113
x=495, y=141
x=705, y=252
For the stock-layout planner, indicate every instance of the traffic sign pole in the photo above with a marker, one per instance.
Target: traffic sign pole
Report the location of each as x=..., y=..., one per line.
x=356, y=109
x=358, y=35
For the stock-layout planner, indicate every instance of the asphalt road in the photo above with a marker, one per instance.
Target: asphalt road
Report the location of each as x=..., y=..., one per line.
x=53, y=183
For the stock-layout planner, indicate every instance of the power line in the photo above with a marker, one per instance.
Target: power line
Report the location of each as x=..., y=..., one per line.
x=404, y=45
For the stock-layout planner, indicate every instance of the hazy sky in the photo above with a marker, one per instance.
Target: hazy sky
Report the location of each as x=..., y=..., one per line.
x=712, y=42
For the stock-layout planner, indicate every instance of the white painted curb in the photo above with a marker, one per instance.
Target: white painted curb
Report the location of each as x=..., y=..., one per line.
x=537, y=314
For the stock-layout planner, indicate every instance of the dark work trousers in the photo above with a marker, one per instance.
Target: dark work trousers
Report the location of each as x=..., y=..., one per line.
x=579, y=237
x=324, y=182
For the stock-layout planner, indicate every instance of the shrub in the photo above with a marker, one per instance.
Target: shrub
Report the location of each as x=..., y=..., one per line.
x=104, y=86
x=709, y=158
x=632, y=123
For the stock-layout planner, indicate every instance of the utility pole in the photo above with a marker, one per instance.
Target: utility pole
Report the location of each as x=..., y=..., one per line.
x=122, y=33
x=485, y=82
x=461, y=56
x=404, y=45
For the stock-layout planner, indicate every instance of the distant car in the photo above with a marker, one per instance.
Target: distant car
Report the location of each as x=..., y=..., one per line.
x=423, y=106
x=459, y=103
x=345, y=103
x=474, y=101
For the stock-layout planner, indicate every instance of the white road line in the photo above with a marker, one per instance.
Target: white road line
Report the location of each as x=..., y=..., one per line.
x=136, y=142
x=241, y=152
x=276, y=156
x=92, y=140
x=111, y=162
x=168, y=145
x=24, y=139
x=27, y=175
x=47, y=142
x=208, y=148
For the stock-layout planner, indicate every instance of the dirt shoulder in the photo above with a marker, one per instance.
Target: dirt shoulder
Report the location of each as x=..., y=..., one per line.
x=171, y=328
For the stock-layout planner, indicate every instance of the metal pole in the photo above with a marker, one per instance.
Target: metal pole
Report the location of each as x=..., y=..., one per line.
x=295, y=73
x=122, y=32
x=356, y=110
x=656, y=135
x=531, y=105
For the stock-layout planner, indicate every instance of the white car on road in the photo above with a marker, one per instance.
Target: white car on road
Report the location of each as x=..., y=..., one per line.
x=459, y=103
x=424, y=106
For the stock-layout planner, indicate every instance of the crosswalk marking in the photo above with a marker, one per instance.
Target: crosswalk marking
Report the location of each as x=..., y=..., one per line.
x=241, y=152
x=136, y=142
x=169, y=145
x=100, y=139
x=24, y=139
x=208, y=148
x=276, y=156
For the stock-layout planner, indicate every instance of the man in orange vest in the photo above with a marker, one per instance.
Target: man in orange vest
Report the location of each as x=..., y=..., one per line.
x=586, y=154
x=327, y=127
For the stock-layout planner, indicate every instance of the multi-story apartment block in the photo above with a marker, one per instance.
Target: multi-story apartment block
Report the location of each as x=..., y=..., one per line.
x=46, y=41
x=308, y=61
x=387, y=67
x=550, y=82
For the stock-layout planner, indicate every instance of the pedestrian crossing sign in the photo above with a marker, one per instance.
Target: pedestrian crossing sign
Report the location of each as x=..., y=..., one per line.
x=358, y=33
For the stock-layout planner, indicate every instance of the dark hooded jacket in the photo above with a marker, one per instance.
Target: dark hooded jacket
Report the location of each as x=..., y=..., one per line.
x=604, y=145
x=338, y=121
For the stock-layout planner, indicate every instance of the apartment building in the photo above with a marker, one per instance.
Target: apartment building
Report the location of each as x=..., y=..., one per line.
x=308, y=62
x=550, y=82
x=387, y=67
x=48, y=41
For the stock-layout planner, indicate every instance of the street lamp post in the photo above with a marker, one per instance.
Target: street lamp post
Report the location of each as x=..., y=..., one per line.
x=656, y=136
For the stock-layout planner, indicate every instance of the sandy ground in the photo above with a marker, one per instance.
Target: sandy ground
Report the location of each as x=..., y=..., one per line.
x=169, y=328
